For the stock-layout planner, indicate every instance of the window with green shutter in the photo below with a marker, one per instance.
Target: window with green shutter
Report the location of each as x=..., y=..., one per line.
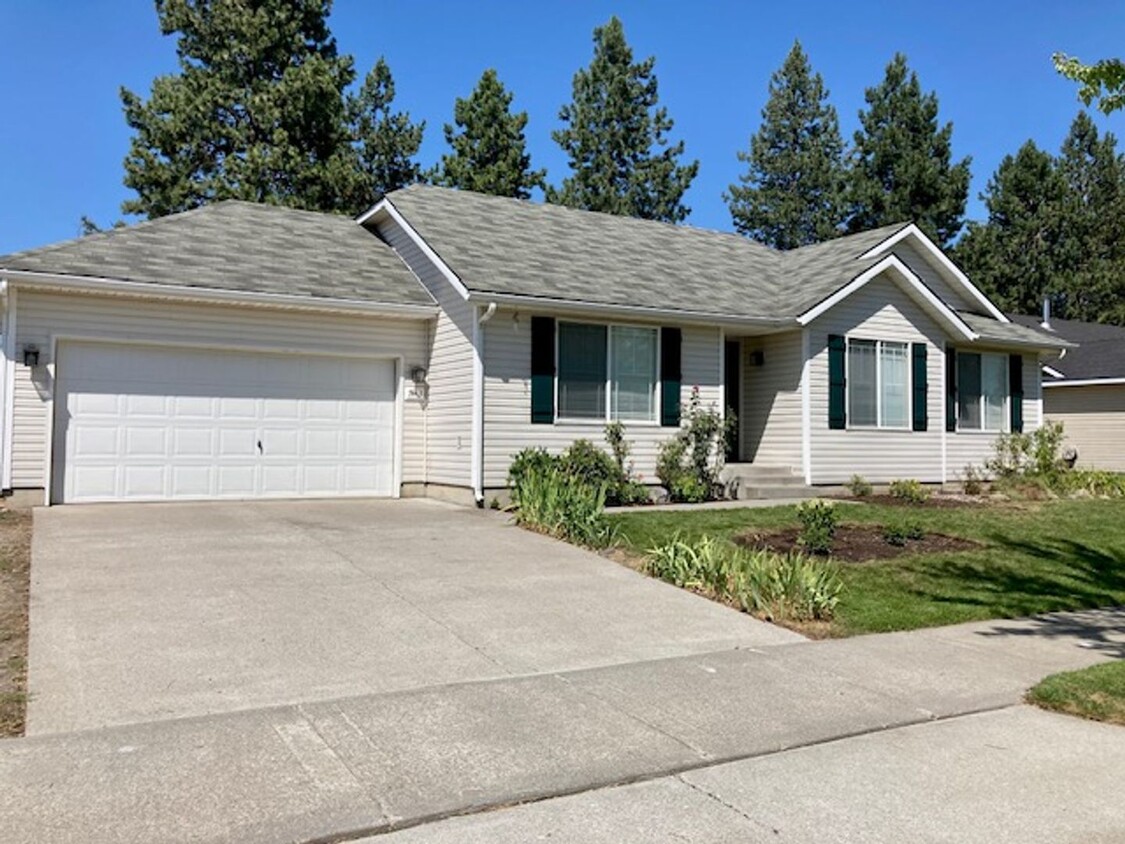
x=920, y=386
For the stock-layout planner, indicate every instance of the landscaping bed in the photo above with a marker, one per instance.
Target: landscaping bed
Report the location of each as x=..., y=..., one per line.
x=1097, y=693
x=15, y=567
x=856, y=543
x=1032, y=558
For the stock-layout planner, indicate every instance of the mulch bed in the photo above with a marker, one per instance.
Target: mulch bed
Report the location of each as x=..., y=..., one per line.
x=857, y=543
x=15, y=567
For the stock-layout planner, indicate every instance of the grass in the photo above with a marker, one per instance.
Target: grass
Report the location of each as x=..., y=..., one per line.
x=1097, y=692
x=15, y=560
x=1040, y=557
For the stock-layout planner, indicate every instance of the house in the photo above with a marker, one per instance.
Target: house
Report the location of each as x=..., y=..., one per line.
x=1085, y=389
x=240, y=350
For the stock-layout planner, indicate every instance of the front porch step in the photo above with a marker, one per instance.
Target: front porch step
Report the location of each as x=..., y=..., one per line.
x=751, y=481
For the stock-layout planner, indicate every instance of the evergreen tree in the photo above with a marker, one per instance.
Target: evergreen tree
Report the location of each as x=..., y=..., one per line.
x=902, y=165
x=790, y=195
x=489, y=148
x=386, y=140
x=255, y=112
x=1016, y=256
x=615, y=137
x=1093, y=245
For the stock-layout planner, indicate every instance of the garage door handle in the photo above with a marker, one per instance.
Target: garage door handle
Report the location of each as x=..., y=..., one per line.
x=260, y=447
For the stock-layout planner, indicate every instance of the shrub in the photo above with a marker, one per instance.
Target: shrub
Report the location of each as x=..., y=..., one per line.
x=562, y=505
x=780, y=587
x=859, y=486
x=688, y=464
x=972, y=482
x=525, y=462
x=818, y=525
x=909, y=491
x=588, y=463
x=627, y=488
x=1037, y=453
x=901, y=533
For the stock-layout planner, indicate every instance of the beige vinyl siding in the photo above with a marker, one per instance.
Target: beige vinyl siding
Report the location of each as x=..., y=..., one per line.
x=952, y=294
x=965, y=448
x=1094, y=421
x=449, y=410
x=42, y=317
x=879, y=311
x=507, y=398
x=770, y=420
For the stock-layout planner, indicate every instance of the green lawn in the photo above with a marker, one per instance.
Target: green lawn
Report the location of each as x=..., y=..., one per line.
x=1097, y=692
x=1037, y=558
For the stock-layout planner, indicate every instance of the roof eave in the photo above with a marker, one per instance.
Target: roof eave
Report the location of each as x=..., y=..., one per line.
x=151, y=290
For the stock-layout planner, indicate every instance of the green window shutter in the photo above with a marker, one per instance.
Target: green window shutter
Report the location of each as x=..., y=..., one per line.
x=951, y=389
x=918, y=359
x=837, y=415
x=671, y=341
x=542, y=370
x=1015, y=389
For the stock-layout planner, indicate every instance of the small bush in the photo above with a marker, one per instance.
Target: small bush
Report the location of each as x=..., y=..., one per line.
x=524, y=463
x=780, y=587
x=818, y=525
x=563, y=506
x=901, y=533
x=972, y=481
x=688, y=464
x=909, y=491
x=859, y=486
x=588, y=463
x=1037, y=453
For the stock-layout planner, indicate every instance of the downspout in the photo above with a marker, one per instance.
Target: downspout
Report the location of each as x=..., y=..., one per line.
x=477, y=451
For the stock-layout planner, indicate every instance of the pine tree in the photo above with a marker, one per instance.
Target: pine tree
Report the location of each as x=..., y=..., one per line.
x=255, y=112
x=489, y=148
x=790, y=195
x=1094, y=223
x=1016, y=255
x=615, y=137
x=386, y=140
x=902, y=165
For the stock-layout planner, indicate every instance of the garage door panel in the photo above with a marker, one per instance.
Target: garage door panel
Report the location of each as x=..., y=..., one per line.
x=141, y=423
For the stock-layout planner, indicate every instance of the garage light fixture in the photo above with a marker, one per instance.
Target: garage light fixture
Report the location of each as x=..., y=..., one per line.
x=31, y=355
x=418, y=375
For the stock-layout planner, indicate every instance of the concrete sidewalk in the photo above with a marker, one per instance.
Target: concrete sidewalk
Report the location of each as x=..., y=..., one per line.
x=369, y=764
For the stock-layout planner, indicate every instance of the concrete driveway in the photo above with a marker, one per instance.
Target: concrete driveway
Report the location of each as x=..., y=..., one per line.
x=151, y=612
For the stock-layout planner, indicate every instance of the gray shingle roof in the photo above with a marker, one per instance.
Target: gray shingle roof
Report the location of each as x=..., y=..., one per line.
x=516, y=247
x=1008, y=333
x=239, y=246
x=1100, y=351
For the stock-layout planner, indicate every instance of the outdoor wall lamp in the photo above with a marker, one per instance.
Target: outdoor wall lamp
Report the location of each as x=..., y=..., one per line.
x=418, y=375
x=31, y=355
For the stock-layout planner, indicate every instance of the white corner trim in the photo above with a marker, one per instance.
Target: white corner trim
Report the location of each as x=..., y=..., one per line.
x=1084, y=382
x=932, y=249
x=209, y=295
x=944, y=416
x=9, y=384
x=806, y=406
x=385, y=206
x=892, y=261
x=476, y=451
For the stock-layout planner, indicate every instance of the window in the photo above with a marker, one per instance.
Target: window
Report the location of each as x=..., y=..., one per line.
x=982, y=391
x=596, y=361
x=878, y=383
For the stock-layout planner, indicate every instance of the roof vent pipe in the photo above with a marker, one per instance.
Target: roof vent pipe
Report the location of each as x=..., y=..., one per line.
x=1046, y=313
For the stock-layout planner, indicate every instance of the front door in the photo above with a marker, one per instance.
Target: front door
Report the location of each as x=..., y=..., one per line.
x=733, y=372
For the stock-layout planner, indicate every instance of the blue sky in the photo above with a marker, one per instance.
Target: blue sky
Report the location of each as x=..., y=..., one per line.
x=989, y=62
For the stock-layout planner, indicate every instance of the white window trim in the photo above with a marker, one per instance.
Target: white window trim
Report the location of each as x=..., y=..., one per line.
x=1006, y=419
x=658, y=397
x=878, y=426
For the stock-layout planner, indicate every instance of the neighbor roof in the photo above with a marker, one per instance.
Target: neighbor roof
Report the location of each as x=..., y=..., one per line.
x=516, y=247
x=240, y=246
x=1013, y=333
x=1100, y=351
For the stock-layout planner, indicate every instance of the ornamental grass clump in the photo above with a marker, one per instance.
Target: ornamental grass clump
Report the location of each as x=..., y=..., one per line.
x=561, y=505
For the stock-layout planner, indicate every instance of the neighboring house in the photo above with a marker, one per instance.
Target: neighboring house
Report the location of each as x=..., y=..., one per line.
x=241, y=350
x=1085, y=390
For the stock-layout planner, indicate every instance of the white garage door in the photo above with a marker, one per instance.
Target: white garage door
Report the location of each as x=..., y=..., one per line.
x=148, y=423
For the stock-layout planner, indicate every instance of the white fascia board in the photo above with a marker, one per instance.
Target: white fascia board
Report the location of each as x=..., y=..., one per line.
x=930, y=248
x=1054, y=373
x=92, y=284
x=385, y=208
x=1085, y=382
x=573, y=306
x=914, y=285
